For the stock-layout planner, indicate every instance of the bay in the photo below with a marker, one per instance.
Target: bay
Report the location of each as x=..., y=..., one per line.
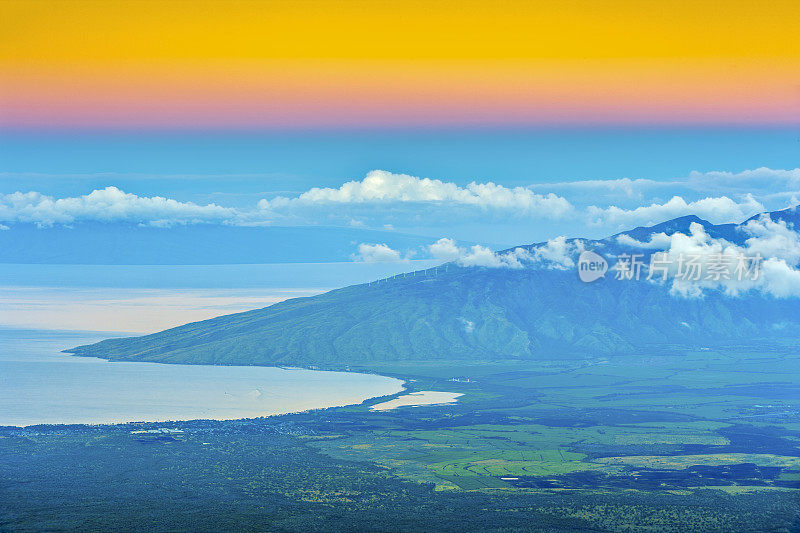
x=40, y=385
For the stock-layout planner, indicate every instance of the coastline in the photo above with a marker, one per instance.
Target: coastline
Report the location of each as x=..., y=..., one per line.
x=42, y=377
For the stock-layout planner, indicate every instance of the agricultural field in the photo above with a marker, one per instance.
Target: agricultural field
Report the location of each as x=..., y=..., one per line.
x=684, y=442
x=623, y=422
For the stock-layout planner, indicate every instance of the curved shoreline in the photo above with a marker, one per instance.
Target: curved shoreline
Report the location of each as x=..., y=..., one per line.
x=52, y=391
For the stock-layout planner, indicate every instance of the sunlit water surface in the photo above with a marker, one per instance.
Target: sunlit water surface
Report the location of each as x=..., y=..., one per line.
x=39, y=385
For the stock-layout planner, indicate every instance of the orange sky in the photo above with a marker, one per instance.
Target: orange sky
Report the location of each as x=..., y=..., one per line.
x=208, y=64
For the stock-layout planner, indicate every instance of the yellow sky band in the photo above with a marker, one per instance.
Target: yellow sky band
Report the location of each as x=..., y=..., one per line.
x=103, y=30
x=70, y=61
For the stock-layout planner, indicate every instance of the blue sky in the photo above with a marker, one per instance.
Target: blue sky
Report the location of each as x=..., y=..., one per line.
x=238, y=169
x=297, y=159
x=546, y=183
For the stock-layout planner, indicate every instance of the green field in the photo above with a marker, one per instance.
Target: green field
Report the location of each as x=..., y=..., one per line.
x=696, y=441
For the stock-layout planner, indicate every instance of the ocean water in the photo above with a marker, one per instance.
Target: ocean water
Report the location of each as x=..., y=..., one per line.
x=150, y=298
x=45, y=309
x=40, y=385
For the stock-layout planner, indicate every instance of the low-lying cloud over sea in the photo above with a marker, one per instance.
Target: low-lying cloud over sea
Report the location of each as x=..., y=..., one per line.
x=389, y=201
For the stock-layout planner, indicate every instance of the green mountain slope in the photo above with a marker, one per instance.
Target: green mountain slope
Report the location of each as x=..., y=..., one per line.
x=477, y=314
x=464, y=313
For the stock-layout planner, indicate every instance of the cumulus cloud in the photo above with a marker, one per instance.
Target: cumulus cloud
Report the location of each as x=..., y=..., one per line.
x=558, y=253
x=717, y=196
x=445, y=250
x=773, y=239
x=107, y=205
x=477, y=256
x=774, y=245
x=480, y=256
x=380, y=186
x=384, y=200
x=769, y=256
x=377, y=253
x=717, y=210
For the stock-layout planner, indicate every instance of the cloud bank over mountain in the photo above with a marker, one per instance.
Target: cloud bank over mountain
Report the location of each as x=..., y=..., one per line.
x=774, y=244
x=760, y=255
x=718, y=210
x=518, y=304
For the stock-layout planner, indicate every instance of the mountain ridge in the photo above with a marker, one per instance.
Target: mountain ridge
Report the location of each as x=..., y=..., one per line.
x=469, y=313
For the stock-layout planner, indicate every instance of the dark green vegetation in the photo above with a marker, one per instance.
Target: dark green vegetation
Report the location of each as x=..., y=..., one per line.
x=478, y=314
x=695, y=441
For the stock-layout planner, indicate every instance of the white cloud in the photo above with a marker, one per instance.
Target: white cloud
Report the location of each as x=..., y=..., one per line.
x=774, y=242
x=780, y=279
x=626, y=187
x=107, y=205
x=717, y=210
x=380, y=186
x=762, y=178
x=377, y=253
x=384, y=200
x=480, y=256
x=762, y=183
x=773, y=239
x=777, y=244
x=658, y=241
x=477, y=256
x=3, y=227
x=558, y=253
x=445, y=250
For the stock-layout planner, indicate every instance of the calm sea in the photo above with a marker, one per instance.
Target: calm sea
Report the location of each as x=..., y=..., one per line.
x=47, y=308
x=39, y=385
